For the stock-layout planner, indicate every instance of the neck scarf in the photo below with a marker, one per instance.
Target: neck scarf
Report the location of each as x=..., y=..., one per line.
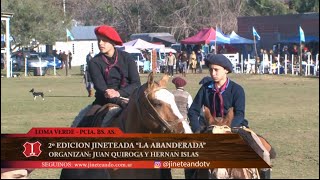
x=115, y=65
x=218, y=92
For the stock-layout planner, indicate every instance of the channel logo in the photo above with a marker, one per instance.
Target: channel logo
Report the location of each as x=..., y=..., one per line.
x=32, y=149
x=157, y=164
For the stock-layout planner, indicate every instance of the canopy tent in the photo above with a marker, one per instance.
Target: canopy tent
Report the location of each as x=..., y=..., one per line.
x=141, y=44
x=221, y=38
x=204, y=36
x=236, y=39
x=129, y=49
x=296, y=39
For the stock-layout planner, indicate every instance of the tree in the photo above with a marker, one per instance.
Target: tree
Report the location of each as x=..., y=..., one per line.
x=35, y=22
x=302, y=6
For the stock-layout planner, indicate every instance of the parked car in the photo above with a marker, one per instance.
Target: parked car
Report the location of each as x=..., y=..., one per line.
x=51, y=61
x=34, y=60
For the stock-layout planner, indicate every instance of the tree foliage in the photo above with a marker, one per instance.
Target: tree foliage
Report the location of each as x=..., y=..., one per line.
x=35, y=22
x=44, y=20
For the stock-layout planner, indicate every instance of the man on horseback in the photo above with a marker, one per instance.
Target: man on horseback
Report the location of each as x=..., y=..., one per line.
x=216, y=97
x=219, y=95
x=113, y=72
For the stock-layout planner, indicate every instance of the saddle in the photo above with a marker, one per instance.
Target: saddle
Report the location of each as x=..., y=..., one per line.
x=102, y=116
x=257, y=143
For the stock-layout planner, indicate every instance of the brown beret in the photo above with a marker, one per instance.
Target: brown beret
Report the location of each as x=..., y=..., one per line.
x=179, y=82
x=109, y=32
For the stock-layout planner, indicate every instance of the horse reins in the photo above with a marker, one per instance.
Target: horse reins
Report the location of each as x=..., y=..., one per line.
x=152, y=113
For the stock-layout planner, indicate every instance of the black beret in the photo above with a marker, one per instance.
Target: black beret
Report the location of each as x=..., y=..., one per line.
x=205, y=80
x=220, y=60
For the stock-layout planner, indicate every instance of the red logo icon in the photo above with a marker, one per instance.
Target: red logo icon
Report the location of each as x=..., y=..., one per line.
x=32, y=149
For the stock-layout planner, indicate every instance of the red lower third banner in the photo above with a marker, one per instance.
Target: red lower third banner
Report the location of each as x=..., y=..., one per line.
x=112, y=164
x=110, y=148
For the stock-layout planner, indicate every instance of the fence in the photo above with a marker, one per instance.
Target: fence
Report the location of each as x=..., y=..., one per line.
x=275, y=65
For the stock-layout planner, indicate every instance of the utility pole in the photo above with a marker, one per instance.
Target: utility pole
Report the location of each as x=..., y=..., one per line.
x=64, y=8
x=67, y=50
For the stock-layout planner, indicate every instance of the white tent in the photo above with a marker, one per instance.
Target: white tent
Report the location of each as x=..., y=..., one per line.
x=141, y=44
x=236, y=39
x=128, y=49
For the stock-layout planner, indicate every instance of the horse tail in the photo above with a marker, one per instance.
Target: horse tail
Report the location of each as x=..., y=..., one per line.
x=272, y=151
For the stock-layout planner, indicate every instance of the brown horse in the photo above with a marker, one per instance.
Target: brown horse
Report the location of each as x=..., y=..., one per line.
x=151, y=109
x=257, y=142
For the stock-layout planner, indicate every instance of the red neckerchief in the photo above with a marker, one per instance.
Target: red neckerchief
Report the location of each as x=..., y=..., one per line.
x=115, y=65
x=219, y=91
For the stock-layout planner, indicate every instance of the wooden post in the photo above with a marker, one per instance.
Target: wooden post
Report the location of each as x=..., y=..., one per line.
x=154, y=61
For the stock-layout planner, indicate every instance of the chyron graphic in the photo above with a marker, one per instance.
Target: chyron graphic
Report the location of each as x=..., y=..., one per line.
x=157, y=164
x=32, y=149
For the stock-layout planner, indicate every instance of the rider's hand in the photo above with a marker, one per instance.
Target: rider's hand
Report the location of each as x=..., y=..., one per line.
x=111, y=93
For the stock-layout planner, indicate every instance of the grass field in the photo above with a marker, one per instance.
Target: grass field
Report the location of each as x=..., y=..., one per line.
x=284, y=109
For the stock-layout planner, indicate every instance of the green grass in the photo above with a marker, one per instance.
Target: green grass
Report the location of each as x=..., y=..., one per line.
x=284, y=109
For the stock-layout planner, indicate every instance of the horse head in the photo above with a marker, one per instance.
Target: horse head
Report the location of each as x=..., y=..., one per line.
x=257, y=142
x=219, y=121
x=156, y=108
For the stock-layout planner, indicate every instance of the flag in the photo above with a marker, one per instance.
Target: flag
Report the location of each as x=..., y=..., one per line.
x=302, y=39
x=254, y=32
x=69, y=35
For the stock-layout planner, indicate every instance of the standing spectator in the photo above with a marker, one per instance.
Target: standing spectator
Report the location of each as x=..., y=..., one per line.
x=184, y=61
x=183, y=100
x=64, y=58
x=285, y=52
x=171, y=61
x=60, y=58
x=193, y=62
x=265, y=64
x=199, y=60
x=178, y=62
x=182, y=97
x=88, y=80
x=70, y=59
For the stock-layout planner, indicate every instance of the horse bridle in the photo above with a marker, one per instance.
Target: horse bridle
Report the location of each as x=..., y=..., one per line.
x=152, y=113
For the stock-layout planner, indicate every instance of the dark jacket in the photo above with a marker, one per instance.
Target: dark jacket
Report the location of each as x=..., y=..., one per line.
x=101, y=83
x=233, y=96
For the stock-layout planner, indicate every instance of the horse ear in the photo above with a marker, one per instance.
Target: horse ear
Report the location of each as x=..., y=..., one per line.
x=229, y=117
x=207, y=116
x=150, y=80
x=164, y=80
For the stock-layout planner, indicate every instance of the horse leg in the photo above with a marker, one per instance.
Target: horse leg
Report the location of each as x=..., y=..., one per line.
x=87, y=119
x=85, y=174
x=197, y=174
x=190, y=173
x=165, y=174
x=265, y=174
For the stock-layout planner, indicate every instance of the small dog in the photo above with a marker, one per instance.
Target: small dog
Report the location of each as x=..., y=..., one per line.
x=35, y=94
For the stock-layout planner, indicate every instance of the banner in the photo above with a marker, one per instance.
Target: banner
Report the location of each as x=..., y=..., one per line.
x=109, y=147
x=69, y=35
x=302, y=38
x=254, y=32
